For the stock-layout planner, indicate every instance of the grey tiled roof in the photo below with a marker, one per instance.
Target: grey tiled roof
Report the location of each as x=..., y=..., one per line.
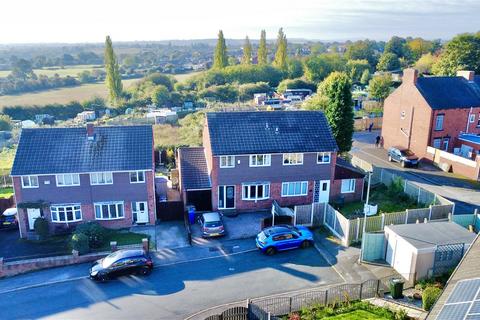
x=450, y=92
x=193, y=168
x=269, y=132
x=67, y=150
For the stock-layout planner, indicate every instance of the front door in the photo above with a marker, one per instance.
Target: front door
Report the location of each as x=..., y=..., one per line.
x=33, y=214
x=226, y=197
x=141, y=210
x=324, y=191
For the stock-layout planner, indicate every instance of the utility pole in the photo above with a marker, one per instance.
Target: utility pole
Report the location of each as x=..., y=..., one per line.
x=365, y=210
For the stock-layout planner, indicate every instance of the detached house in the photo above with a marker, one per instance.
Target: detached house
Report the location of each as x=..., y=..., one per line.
x=73, y=175
x=249, y=159
x=438, y=118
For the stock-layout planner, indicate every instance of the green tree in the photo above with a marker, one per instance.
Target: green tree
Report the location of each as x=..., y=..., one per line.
x=336, y=90
x=355, y=69
x=365, y=77
x=113, y=78
x=362, y=49
x=461, y=53
x=22, y=69
x=388, y=62
x=220, y=59
x=247, y=90
x=297, y=83
x=160, y=95
x=294, y=68
x=191, y=128
x=398, y=46
x=262, y=49
x=247, y=52
x=379, y=87
x=281, y=53
x=5, y=123
x=419, y=47
x=425, y=64
x=158, y=78
x=319, y=67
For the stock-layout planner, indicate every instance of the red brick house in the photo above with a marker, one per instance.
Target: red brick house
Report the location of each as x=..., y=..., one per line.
x=437, y=112
x=74, y=175
x=249, y=159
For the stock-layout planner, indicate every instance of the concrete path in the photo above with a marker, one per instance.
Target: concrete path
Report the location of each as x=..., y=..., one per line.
x=167, y=235
x=413, y=313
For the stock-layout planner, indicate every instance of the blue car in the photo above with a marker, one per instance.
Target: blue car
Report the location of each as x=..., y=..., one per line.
x=283, y=237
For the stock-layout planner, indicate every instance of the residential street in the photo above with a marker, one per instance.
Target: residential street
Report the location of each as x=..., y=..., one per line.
x=172, y=291
x=464, y=193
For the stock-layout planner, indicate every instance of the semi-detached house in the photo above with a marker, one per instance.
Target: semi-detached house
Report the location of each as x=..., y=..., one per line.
x=74, y=175
x=249, y=159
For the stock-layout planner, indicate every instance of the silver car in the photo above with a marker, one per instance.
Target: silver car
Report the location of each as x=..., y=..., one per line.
x=211, y=224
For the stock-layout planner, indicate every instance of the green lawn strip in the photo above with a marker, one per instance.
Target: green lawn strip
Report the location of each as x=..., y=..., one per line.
x=122, y=238
x=352, y=311
x=6, y=192
x=357, y=315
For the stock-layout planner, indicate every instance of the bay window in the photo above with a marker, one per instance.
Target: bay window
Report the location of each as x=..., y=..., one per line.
x=66, y=213
x=256, y=191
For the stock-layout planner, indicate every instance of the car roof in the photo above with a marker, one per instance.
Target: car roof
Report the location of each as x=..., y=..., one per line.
x=211, y=216
x=10, y=212
x=277, y=229
x=121, y=254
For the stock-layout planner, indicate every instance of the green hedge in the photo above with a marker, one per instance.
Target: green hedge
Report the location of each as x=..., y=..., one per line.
x=429, y=296
x=80, y=243
x=59, y=111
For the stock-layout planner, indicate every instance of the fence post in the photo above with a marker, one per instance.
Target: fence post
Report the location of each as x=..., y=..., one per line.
x=361, y=289
x=430, y=213
x=450, y=216
x=358, y=229
x=311, y=213
x=381, y=175
x=418, y=196
x=405, y=185
x=290, y=304
x=326, y=298
x=406, y=216
x=383, y=221
x=295, y=215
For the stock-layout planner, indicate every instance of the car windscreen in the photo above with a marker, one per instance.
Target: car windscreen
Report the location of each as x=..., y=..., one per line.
x=110, y=259
x=406, y=153
x=212, y=224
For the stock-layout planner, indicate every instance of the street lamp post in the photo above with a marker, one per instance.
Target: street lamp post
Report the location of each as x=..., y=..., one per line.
x=365, y=210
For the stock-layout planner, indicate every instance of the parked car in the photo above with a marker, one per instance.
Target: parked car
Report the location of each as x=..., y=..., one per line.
x=8, y=219
x=120, y=263
x=283, y=237
x=211, y=224
x=404, y=156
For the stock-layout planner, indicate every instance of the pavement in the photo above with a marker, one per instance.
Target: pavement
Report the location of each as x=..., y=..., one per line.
x=177, y=288
x=463, y=192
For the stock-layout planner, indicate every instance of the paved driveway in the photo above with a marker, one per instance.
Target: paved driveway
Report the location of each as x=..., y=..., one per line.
x=168, y=234
x=242, y=226
x=464, y=193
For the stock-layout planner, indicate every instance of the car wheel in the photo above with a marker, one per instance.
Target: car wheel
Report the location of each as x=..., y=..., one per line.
x=305, y=244
x=390, y=158
x=145, y=271
x=270, y=251
x=403, y=164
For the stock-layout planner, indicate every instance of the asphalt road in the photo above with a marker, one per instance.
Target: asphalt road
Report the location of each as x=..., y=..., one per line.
x=175, y=291
x=465, y=194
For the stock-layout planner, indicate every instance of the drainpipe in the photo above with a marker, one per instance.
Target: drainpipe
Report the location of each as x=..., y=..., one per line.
x=410, y=129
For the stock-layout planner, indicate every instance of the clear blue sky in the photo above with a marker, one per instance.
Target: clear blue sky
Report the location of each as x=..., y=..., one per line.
x=24, y=21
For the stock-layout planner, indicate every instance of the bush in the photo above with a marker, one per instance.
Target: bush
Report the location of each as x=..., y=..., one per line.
x=80, y=243
x=41, y=227
x=95, y=233
x=429, y=296
x=297, y=83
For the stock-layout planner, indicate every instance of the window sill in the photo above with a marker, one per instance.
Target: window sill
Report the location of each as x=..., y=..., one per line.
x=227, y=167
x=323, y=162
x=131, y=182
x=109, y=219
x=65, y=222
x=344, y=192
x=296, y=195
x=30, y=187
x=72, y=185
x=259, y=199
x=293, y=164
x=101, y=184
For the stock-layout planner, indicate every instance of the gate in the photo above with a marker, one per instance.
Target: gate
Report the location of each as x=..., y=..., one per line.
x=304, y=215
x=447, y=257
x=170, y=210
x=235, y=313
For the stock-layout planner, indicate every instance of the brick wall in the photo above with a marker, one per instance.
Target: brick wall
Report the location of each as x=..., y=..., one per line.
x=336, y=191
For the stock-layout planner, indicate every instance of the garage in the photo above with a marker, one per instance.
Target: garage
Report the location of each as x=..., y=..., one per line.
x=201, y=199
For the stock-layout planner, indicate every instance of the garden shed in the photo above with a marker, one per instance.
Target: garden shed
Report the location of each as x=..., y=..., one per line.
x=422, y=250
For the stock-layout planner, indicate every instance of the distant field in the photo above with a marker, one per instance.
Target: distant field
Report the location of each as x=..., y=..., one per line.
x=72, y=71
x=63, y=95
x=184, y=76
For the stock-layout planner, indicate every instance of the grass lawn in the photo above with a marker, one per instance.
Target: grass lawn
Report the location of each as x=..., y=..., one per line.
x=184, y=76
x=72, y=71
x=357, y=315
x=122, y=238
x=386, y=203
x=61, y=95
x=6, y=192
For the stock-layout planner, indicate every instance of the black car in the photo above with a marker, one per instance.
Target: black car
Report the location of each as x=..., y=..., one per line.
x=120, y=263
x=404, y=156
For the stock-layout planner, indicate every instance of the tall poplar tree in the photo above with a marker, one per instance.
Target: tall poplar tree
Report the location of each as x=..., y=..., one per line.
x=281, y=54
x=247, y=52
x=220, y=59
x=113, y=79
x=262, y=49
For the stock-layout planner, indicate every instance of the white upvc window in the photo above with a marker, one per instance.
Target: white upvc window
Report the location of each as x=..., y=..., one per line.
x=256, y=191
x=99, y=178
x=324, y=157
x=439, y=122
x=137, y=177
x=65, y=213
x=295, y=188
x=260, y=160
x=227, y=161
x=109, y=210
x=68, y=180
x=292, y=159
x=348, y=186
x=29, y=182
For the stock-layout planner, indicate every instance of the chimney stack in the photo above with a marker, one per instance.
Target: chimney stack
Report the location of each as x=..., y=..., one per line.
x=469, y=75
x=90, y=134
x=410, y=75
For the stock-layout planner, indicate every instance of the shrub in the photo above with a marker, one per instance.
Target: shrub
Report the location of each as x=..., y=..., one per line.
x=80, y=243
x=41, y=227
x=95, y=233
x=429, y=296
